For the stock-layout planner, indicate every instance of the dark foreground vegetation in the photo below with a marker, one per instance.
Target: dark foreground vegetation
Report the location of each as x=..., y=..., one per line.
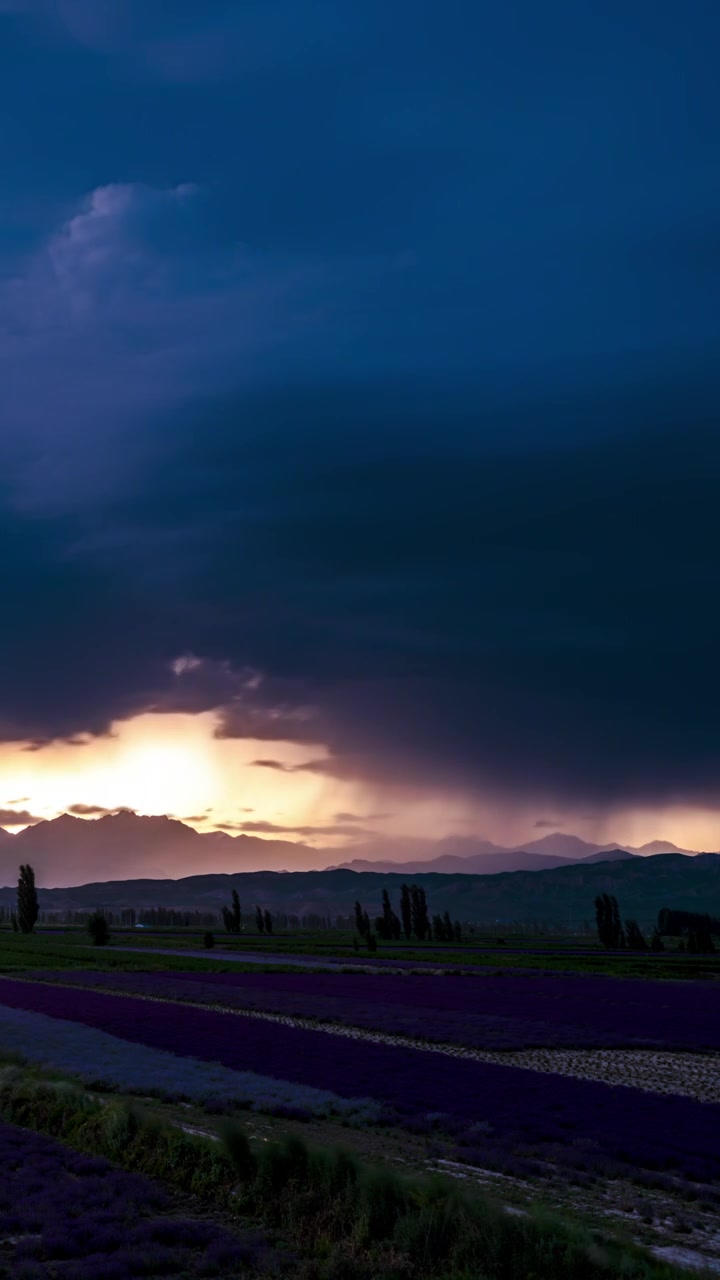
x=78, y=1217
x=329, y=1216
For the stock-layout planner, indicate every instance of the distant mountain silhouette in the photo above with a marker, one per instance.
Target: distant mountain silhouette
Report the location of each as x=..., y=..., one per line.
x=483, y=864
x=70, y=850
x=555, y=850
x=609, y=855
x=559, y=845
x=660, y=846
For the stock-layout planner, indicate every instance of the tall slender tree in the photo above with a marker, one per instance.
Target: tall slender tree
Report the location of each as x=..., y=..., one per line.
x=362, y=921
x=609, y=924
x=634, y=936
x=387, y=925
x=406, y=910
x=236, y=912
x=232, y=916
x=419, y=912
x=27, y=899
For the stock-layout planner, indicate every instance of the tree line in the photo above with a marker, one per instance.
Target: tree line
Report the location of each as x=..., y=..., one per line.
x=232, y=917
x=694, y=929
x=414, y=920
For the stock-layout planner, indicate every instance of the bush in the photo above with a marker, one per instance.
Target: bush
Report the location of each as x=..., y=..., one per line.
x=208, y=941
x=240, y=1152
x=98, y=929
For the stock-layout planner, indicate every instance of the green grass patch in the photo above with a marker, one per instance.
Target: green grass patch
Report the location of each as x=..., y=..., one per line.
x=47, y=949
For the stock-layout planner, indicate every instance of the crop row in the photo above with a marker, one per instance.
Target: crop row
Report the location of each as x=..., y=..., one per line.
x=507, y=1104
x=75, y=1217
x=105, y=1061
x=505, y=1011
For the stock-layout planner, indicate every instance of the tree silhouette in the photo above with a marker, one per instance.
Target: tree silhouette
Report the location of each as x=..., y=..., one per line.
x=387, y=925
x=419, y=912
x=634, y=936
x=609, y=926
x=406, y=910
x=27, y=899
x=232, y=916
x=362, y=921
x=98, y=929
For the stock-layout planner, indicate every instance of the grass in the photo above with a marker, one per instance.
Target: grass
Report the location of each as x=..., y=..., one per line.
x=345, y=1218
x=46, y=949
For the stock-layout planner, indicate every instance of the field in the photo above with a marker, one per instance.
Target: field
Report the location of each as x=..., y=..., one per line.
x=77, y=1217
x=563, y=1106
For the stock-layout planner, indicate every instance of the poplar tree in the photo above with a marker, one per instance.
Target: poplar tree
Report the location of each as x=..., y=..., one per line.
x=609, y=925
x=232, y=916
x=387, y=925
x=419, y=912
x=236, y=912
x=406, y=910
x=27, y=899
x=362, y=921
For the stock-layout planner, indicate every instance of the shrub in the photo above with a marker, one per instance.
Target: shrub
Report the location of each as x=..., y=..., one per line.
x=98, y=929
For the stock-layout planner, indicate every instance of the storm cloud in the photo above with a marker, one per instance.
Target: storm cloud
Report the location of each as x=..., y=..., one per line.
x=403, y=447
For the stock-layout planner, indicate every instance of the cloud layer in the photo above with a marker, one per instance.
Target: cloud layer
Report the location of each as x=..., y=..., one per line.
x=368, y=400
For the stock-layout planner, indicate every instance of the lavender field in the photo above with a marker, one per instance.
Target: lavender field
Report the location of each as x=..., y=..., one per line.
x=508, y=1011
x=506, y=1107
x=67, y=1216
x=107, y=1062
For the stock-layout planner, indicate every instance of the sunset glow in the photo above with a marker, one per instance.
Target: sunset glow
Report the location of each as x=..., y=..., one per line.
x=175, y=765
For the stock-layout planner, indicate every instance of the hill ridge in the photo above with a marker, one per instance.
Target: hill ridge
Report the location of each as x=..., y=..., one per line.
x=558, y=896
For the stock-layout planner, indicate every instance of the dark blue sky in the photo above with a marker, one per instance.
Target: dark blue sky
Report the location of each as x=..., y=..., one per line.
x=372, y=347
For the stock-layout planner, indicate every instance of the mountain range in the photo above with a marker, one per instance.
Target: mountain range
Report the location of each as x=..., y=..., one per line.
x=481, y=857
x=69, y=851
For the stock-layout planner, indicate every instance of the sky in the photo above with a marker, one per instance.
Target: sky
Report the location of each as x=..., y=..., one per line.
x=359, y=392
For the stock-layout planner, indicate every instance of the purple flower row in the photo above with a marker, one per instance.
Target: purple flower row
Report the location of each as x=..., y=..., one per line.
x=77, y=1218
x=525, y=1108
x=494, y=1011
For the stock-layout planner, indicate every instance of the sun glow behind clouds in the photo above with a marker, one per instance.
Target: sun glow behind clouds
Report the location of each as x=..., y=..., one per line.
x=174, y=764
x=165, y=764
